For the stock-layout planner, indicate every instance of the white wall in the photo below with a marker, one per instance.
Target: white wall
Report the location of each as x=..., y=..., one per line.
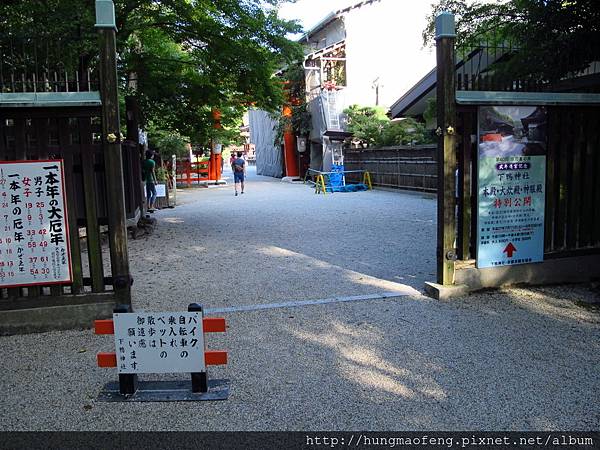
x=384, y=40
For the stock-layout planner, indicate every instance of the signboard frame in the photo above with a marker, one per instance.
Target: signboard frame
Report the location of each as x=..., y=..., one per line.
x=65, y=223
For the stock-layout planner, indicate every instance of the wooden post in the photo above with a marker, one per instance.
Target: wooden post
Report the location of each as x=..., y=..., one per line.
x=446, y=121
x=128, y=382
x=111, y=141
x=289, y=140
x=215, y=159
x=464, y=186
x=133, y=134
x=199, y=379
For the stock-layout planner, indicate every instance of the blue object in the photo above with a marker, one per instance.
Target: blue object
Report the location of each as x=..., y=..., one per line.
x=336, y=178
x=348, y=188
x=445, y=26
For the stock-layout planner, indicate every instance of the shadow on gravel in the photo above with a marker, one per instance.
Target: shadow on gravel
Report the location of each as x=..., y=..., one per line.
x=499, y=360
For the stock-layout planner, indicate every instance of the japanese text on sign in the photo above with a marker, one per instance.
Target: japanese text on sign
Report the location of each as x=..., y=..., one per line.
x=511, y=184
x=34, y=237
x=159, y=342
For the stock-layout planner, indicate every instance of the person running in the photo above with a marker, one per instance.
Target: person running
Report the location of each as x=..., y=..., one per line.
x=239, y=171
x=149, y=176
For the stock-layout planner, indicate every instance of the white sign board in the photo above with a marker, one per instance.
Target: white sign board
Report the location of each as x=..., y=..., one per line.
x=512, y=185
x=159, y=342
x=34, y=234
x=161, y=190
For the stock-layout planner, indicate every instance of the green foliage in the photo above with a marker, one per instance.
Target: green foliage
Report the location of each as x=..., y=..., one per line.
x=71, y=42
x=404, y=132
x=373, y=128
x=430, y=113
x=295, y=78
x=300, y=121
x=180, y=58
x=161, y=174
x=168, y=143
x=366, y=123
x=554, y=37
x=282, y=123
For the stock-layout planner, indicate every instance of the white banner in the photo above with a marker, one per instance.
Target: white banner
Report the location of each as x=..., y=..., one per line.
x=34, y=234
x=511, y=185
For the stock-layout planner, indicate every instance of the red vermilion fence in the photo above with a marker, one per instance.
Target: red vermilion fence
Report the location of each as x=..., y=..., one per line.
x=194, y=171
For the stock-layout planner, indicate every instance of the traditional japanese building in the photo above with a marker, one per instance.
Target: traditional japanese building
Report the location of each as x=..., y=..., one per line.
x=359, y=54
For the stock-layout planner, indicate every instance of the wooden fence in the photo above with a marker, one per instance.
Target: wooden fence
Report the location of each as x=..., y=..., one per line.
x=55, y=108
x=404, y=167
x=72, y=135
x=571, y=247
x=572, y=210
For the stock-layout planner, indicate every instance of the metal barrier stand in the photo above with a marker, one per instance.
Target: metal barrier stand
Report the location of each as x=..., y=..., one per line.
x=318, y=179
x=199, y=379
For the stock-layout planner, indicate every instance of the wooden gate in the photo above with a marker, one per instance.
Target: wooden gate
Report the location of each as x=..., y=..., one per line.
x=572, y=211
x=49, y=115
x=572, y=191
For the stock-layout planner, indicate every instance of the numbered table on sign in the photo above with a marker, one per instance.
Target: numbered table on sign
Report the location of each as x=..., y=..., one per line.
x=34, y=235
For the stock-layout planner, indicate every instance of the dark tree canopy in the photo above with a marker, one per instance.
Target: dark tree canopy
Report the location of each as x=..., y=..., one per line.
x=181, y=58
x=555, y=37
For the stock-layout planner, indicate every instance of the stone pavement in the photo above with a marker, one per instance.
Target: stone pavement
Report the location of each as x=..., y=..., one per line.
x=328, y=328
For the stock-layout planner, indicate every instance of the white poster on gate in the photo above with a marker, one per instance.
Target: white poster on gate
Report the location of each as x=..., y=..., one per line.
x=34, y=234
x=161, y=190
x=511, y=185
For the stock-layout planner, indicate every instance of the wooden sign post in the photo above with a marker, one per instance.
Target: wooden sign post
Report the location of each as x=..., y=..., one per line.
x=111, y=141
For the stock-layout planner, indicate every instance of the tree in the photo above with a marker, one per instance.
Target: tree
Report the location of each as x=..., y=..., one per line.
x=430, y=113
x=373, y=128
x=293, y=78
x=168, y=144
x=181, y=58
x=555, y=38
x=405, y=132
x=366, y=123
x=222, y=54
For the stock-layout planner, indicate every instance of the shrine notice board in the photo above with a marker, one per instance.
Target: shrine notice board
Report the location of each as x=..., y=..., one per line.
x=511, y=185
x=159, y=342
x=34, y=234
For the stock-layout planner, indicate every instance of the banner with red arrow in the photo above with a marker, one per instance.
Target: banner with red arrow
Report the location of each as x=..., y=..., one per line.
x=511, y=185
x=509, y=250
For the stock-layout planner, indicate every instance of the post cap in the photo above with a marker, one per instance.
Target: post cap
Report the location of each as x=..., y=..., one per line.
x=105, y=14
x=445, y=26
x=194, y=307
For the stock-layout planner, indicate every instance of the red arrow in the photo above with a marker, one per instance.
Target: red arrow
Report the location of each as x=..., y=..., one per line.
x=509, y=250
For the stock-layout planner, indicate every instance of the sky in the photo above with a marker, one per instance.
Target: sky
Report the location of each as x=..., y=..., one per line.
x=399, y=60
x=310, y=12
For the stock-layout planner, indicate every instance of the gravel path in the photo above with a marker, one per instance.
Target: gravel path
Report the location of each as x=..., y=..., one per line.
x=514, y=359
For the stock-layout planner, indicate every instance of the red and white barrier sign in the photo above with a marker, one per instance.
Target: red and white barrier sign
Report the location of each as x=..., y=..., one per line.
x=159, y=342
